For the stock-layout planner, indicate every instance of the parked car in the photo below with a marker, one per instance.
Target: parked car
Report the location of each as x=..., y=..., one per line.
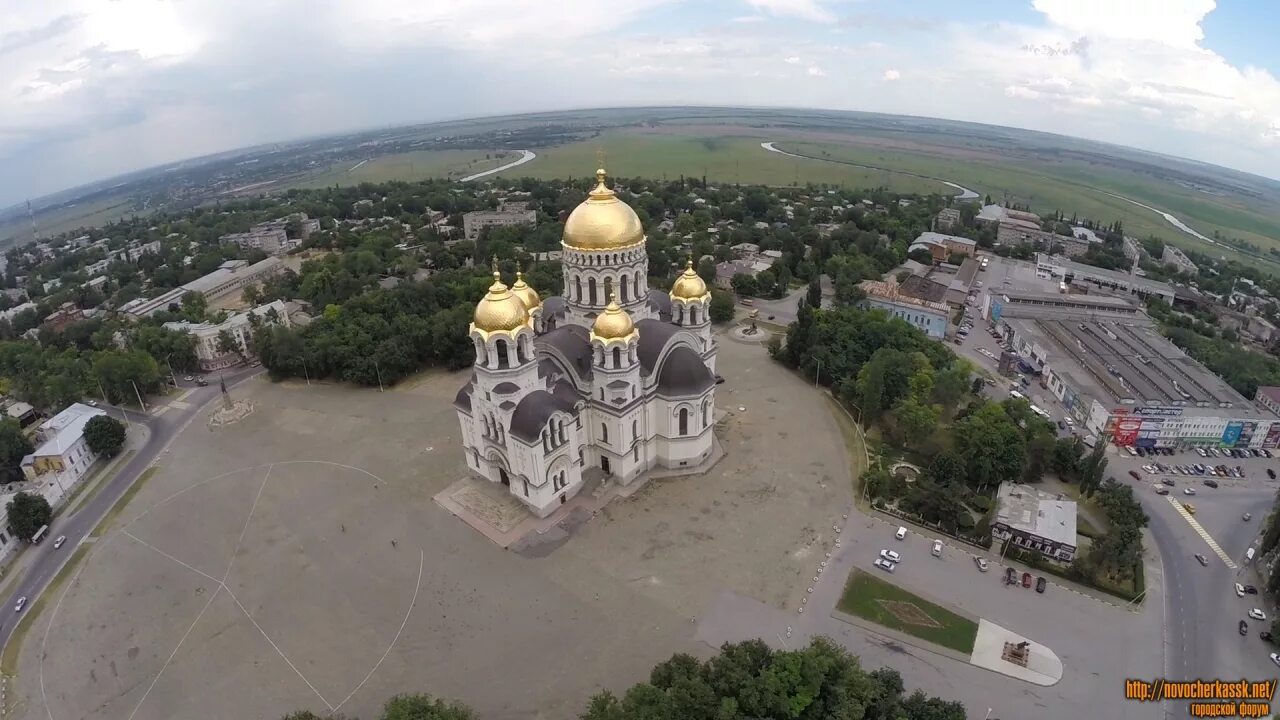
x=937, y=548
x=982, y=564
x=1188, y=491
x=1010, y=576
x=1134, y=474
x=58, y=543
x=1040, y=584
x=1250, y=590
x=1202, y=559
x=1167, y=481
x=1161, y=490
x=891, y=556
x=1257, y=614
x=1275, y=658
x=1239, y=590
x=1026, y=581
x=902, y=533
x=1271, y=473
x=884, y=565
x=1244, y=628
x=1209, y=483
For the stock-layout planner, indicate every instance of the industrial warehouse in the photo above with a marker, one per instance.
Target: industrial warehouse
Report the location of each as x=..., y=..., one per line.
x=1105, y=360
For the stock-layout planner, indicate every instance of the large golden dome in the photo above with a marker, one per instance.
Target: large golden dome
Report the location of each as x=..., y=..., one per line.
x=527, y=295
x=602, y=221
x=499, y=310
x=689, y=286
x=613, y=324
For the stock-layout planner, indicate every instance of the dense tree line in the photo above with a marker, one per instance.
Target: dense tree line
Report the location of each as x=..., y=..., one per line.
x=416, y=706
x=751, y=680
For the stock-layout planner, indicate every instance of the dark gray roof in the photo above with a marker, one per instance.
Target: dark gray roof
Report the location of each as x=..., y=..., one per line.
x=618, y=384
x=507, y=405
x=547, y=368
x=462, y=400
x=506, y=388
x=684, y=373
x=574, y=343
x=565, y=390
x=923, y=289
x=660, y=301
x=532, y=413
x=553, y=307
x=654, y=336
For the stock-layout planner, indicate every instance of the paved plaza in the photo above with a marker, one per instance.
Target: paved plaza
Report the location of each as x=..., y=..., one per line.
x=295, y=559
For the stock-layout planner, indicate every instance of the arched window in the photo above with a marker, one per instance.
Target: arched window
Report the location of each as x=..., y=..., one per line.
x=500, y=347
x=623, y=283
x=604, y=433
x=608, y=288
x=634, y=430
x=591, y=291
x=617, y=357
x=684, y=421
x=693, y=316
x=521, y=342
x=563, y=439
x=577, y=288
x=639, y=284
x=704, y=413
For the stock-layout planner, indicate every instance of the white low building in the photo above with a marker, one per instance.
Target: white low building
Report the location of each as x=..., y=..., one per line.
x=63, y=456
x=239, y=325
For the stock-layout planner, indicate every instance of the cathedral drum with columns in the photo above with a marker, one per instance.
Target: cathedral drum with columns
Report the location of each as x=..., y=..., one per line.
x=611, y=380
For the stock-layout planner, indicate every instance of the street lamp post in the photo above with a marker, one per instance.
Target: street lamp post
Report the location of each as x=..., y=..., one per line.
x=378, y=370
x=139, y=394
x=172, y=378
x=306, y=374
x=988, y=716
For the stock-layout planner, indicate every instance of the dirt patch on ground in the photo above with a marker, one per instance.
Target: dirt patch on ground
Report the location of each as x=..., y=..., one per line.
x=909, y=613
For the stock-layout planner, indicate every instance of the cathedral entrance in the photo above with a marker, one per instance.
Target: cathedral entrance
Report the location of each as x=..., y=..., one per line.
x=504, y=477
x=604, y=464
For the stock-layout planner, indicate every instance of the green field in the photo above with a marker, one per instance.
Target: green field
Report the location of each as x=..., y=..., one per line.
x=886, y=604
x=51, y=222
x=1075, y=187
x=417, y=165
x=722, y=158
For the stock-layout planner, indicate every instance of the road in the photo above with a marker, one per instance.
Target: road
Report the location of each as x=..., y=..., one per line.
x=964, y=194
x=1202, y=608
x=525, y=157
x=77, y=527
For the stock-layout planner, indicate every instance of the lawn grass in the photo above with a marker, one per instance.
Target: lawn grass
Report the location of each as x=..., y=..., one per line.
x=13, y=649
x=123, y=501
x=862, y=597
x=727, y=158
x=408, y=166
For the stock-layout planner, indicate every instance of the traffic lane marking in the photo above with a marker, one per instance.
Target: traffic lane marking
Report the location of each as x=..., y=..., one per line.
x=1204, y=534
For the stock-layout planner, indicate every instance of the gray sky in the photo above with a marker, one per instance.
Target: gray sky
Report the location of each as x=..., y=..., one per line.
x=92, y=88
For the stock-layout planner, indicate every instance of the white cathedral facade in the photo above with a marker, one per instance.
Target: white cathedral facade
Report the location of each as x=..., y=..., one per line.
x=611, y=379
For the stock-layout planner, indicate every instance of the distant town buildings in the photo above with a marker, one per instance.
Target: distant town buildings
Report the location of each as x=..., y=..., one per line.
x=927, y=315
x=269, y=241
x=474, y=222
x=942, y=247
x=63, y=455
x=1035, y=521
x=230, y=277
x=240, y=326
x=946, y=220
x=1178, y=260
x=66, y=314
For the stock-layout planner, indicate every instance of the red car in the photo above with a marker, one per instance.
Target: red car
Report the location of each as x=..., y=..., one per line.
x=1026, y=580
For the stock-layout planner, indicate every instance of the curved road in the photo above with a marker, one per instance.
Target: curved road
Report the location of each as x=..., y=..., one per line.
x=964, y=194
x=163, y=428
x=526, y=157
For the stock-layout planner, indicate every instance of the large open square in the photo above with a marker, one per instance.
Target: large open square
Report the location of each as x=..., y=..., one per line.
x=295, y=559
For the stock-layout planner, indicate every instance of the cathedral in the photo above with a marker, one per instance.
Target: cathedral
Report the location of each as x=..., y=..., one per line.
x=609, y=381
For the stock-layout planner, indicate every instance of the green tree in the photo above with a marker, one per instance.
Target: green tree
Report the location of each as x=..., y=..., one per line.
x=1091, y=470
x=105, y=435
x=745, y=284
x=813, y=295
x=707, y=271
x=227, y=342
x=28, y=512
x=721, y=306
x=195, y=307
x=13, y=447
x=424, y=707
x=991, y=446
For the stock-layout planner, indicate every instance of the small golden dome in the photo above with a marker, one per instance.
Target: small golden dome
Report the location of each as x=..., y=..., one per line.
x=527, y=295
x=613, y=324
x=602, y=221
x=689, y=286
x=500, y=310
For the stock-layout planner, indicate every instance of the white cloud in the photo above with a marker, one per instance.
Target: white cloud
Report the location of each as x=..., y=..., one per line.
x=815, y=71
x=891, y=75
x=802, y=9
x=1170, y=22
x=793, y=60
x=1018, y=91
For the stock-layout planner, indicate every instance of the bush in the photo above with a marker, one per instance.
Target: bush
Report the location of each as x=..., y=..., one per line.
x=981, y=503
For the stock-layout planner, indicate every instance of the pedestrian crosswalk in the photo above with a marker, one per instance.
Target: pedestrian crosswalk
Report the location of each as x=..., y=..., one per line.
x=1195, y=525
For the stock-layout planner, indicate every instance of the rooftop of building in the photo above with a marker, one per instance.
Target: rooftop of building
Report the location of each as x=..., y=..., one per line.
x=944, y=239
x=1112, y=276
x=888, y=290
x=923, y=288
x=228, y=269
x=1030, y=511
x=63, y=430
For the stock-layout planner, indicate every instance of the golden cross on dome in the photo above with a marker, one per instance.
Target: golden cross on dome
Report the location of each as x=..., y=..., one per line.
x=494, y=263
x=601, y=156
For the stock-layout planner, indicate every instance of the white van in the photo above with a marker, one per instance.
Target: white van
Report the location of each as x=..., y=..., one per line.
x=901, y=534
x=1248, y=555
x=1017, y=395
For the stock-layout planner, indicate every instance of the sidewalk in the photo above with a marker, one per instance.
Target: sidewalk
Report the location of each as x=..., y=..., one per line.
x=16, y=565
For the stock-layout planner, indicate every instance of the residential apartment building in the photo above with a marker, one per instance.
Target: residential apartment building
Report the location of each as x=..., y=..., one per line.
x=929, y=316
x=474, y=222
x=269, y=241
x=946, y=220
x=63, y=456
x=1175, y=258
x=240, y=326
x=1033, y=520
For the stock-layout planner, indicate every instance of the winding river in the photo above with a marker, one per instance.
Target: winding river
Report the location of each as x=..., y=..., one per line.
x=964, y=194
x=526, y=157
